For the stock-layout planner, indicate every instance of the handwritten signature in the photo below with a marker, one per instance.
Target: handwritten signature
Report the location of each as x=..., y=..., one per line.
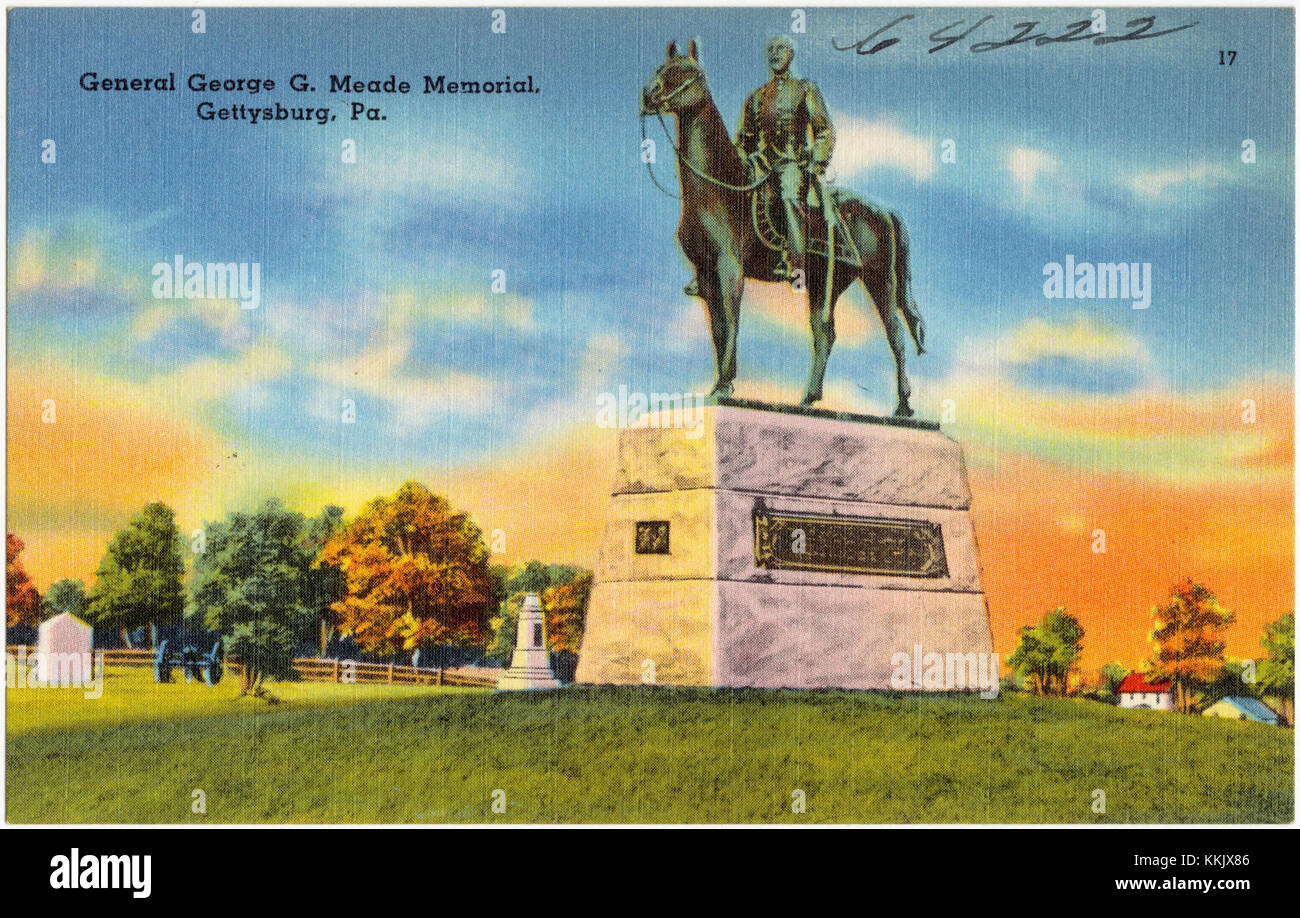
x=945, y=37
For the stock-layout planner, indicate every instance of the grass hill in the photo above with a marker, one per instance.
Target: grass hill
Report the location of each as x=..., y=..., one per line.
x=381, y=754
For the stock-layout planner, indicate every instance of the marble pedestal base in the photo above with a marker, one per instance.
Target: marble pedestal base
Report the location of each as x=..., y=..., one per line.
x=783, y=549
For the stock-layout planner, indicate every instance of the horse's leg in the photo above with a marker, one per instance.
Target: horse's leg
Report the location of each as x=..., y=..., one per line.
x=878, y=246
x=821, y=322
x=730, y=279
x=710, y=293
x=879, y=283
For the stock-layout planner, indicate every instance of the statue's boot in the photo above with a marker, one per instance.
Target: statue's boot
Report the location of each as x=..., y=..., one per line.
x=692, y=287
x=794, y=257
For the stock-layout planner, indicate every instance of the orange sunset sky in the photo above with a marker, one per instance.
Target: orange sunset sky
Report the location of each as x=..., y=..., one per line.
x=1180, y=485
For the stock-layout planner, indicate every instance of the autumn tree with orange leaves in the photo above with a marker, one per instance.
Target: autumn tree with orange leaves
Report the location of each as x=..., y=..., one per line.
x=1187, y=640
x=415, y=573
x=566, y=613
x=22, y=602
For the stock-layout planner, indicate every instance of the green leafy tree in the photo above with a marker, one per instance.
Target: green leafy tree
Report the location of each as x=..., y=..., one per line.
x=1108, y=679
x=505, y=627
x=1232, y=679
x=562, y=574
x=534, y=578
x=66, y=597
x=325, y=582
x=140, y=579
x=1048, y=653
x=501, y=625
x=251, y=583
x=1187, y=641
x=1276, y=673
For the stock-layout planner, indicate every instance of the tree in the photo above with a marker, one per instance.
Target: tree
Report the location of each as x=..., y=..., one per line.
x=66, y=596
x=1048, y=652
x=1108, y=679
x=534, y=578
x=1276, y=673
x=505, y=623
x=415, y=573
x=566, y=613
x=252, y=584
x=139, y=580
x=325, y=585
x=504, y=627
x=22, y=601
x=1187, y=640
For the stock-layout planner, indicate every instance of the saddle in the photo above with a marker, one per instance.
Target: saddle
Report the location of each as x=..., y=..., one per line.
x=769, y=220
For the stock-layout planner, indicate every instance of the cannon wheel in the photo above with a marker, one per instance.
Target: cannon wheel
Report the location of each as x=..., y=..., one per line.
x=162, y=671
x=216, y=659
x=190, y=663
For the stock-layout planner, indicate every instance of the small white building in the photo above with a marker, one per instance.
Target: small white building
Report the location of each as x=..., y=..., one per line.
x=530, y=667
x=63, y=652
x=1237, y=707
x=1136, y=692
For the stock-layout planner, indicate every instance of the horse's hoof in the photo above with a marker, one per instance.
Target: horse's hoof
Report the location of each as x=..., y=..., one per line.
x=810, y=399
x=721, y=391
x=903, y=411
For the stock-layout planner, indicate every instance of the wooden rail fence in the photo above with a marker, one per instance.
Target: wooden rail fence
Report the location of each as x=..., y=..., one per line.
x=312, y=669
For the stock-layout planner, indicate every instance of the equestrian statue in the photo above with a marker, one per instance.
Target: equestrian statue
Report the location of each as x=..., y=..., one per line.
x=760, y=208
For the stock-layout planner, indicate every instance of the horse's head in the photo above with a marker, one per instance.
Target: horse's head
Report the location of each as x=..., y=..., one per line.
x=677, y=84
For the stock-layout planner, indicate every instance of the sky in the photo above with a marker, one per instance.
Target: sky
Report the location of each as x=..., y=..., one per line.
x=377, y=280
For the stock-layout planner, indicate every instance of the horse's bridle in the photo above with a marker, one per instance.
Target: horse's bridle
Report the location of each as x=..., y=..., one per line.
x=659, y=103
x=659, y=113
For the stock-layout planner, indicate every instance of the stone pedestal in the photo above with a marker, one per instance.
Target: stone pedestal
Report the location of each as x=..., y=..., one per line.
x=783, y=548
x=530, y=668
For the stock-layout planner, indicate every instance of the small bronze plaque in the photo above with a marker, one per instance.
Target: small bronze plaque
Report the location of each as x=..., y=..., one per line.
x=652, y=537
x=848, y=544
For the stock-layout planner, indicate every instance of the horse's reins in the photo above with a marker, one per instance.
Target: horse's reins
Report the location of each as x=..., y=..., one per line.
x=651, y=169
x=681, y=157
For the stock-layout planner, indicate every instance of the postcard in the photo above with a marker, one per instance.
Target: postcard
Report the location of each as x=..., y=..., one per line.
x=650, y=415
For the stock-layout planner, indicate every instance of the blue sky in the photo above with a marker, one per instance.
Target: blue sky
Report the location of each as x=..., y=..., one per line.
x=376, y=275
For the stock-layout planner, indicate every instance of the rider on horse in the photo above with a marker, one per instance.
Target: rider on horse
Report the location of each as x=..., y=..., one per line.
x=785, y=130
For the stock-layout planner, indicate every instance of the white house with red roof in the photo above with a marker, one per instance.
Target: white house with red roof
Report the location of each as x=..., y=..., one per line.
x=1136, y=692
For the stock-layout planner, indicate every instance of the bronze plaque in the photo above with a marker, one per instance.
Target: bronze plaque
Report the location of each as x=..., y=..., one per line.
x=848, y=544
x=652, y=537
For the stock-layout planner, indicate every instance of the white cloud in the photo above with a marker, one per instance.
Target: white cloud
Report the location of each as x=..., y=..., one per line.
x=861, y=146
x=1080, y=339
x=1026, y=165
x=410, y=306
x=1152, y=185
x=416, y=400
x=469, y=171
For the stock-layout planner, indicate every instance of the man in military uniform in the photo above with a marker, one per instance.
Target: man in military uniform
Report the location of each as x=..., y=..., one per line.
x=785, y=128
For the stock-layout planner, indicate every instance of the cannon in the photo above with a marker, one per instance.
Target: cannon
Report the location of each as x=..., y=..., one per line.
x=195, y=665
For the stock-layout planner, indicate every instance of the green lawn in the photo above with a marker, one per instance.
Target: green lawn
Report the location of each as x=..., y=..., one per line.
x=400, y=754
x=130, y=696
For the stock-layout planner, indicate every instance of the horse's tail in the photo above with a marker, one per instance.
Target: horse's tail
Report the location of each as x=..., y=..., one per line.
x=903, y=273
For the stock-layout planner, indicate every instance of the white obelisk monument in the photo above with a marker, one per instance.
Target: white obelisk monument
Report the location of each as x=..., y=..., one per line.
x=530, y=667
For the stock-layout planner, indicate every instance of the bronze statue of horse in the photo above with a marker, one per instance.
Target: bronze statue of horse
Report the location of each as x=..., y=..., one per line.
x=717, y=235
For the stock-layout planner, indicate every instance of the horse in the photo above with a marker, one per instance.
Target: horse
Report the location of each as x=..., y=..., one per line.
x=718, y=237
